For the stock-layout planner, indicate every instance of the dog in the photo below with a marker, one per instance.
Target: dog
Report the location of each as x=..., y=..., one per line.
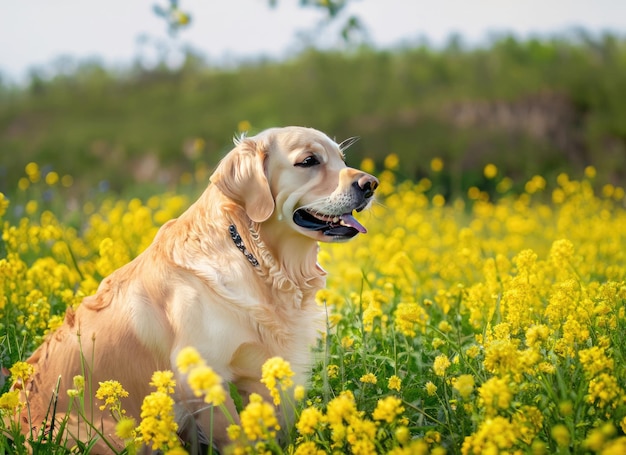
x=235, y=276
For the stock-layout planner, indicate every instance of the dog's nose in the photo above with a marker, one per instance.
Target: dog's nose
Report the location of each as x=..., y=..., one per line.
x=367, y=184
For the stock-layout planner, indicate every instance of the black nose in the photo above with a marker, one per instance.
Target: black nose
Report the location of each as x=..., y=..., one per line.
x=367, y=184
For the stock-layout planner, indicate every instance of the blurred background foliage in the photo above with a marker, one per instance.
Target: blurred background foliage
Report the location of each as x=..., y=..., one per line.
x=535, y=106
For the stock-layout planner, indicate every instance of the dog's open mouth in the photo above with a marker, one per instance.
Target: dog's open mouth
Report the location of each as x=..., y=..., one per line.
x=345, y=225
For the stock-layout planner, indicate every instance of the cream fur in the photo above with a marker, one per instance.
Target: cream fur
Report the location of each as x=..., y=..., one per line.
x=193, y=287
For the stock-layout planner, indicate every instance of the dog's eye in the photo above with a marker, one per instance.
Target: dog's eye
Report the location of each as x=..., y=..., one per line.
x=308, y=162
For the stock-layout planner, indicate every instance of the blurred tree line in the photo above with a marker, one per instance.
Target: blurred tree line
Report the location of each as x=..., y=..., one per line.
x=535, y=106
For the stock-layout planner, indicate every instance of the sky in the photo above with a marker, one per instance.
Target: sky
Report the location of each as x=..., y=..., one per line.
x=36, y=33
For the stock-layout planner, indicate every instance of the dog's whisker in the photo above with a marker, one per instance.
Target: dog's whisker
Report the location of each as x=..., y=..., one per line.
x=346, y=144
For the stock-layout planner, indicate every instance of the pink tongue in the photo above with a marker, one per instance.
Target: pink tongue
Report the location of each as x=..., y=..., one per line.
x=351, y=221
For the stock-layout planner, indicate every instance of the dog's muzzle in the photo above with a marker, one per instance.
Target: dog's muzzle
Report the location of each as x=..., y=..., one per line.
x=340, y=225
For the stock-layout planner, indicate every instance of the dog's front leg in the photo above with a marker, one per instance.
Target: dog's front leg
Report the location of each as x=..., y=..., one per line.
x=202, y=424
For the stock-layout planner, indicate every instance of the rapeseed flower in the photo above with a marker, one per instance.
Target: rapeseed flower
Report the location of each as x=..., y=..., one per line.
x=310, y=419
x=333, y=371
x=394, y=383
x=494, y=435
x=464, y=384
x=604, y=390
x=408, y=317
x=369, y=378
x=388, y=409
x=276, y=373
x=308, y=448
x=10, y=402
x=4, y=204
x=201, y=378
x=187, y=359
x=561, y=435
x=111, y=392
x=163, y=381
x=21, y=372
x=494, y=310
x=125, y=428
x=441, y=364
x=495, y=395
x=206, y=382
x=431, y=388
x=258, y=419
x=158, y=428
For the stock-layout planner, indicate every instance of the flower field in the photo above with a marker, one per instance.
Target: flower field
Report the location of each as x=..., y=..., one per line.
x=492, y=323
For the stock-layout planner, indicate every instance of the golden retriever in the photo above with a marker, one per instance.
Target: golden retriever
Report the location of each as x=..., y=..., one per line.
x=235, y=276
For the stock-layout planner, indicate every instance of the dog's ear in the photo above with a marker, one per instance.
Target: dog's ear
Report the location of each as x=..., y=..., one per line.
x=241, y=176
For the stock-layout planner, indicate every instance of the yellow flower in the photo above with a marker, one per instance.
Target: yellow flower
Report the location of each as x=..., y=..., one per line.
x=441, y=364
x=495, y=435
x=234, y=432
x=332, y=371
x=368, y=378
x=604, y=390
x=125, y=428
x=431, y=389
x=206, y=382
x=309, y=419
x=176, y=451
x=408, y=316
x=187, y=359
x=341, y=408
x=276, y=372
x=501, y=356
x=436, y=164
x=368, y=165
x=560, y=434
x=79, y=382
x=597, y=438
x=464, y=384
x=490, y=171
x=10, y=401
x=308, y=448
x=473, y=351
x=21, y=372
x=590, y=172
x=495, y=394
x=244, y=126
x=347, y=342
x=536, y=335
x=361, y=434
x=111, y=392
x=594, y=360
x=444, y=326
x=562, y=252
x=529, y=422
x=394, y=383
x=388, y=409
x=392, y=162
x=158, y=427
x=163, y=381
x=33, y=172
x=258, y=420
x=52, y=178
x=402, y=434
x=4, y=204
x=437, y=343
x=299, y=392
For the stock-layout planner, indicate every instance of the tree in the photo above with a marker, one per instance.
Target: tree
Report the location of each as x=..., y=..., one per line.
x=177, y=19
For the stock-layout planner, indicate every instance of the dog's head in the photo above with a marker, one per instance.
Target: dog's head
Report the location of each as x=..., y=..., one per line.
x=297, y=178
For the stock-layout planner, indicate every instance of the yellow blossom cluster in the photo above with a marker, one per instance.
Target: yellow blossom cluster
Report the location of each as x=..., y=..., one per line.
x=483, y=324
x=158, y=427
